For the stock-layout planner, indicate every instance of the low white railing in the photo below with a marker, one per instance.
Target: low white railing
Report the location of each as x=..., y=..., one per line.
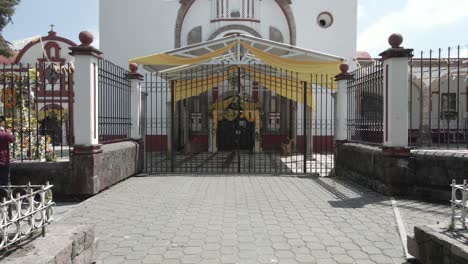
x=24, y=210
x=459, y=204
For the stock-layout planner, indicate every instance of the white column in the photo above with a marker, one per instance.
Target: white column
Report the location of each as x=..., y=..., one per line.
x=135, y=100
x=86, y=101
x=341, y=133
x=395, y=93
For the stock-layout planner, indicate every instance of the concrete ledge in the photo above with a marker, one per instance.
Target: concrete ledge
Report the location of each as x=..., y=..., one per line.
x=63, y=244
x=419, y=175
x=438, y=245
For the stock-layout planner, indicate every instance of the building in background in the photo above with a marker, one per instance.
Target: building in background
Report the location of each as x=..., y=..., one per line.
x=138, y=28
x=130, y=29
x=52, y=90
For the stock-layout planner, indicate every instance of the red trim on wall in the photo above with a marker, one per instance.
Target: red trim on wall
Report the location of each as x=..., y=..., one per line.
x=94, y=100
x=323, y=144
x=179, y=31
x=386, y=102
x=50, y=37
x=199, y=143
x=51, y=45
x=320, y=144
x=273, y=142
x=287, y=20
x=235, y=19
x=155, y=143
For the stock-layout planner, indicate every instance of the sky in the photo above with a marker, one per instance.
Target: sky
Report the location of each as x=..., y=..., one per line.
x=425, y=24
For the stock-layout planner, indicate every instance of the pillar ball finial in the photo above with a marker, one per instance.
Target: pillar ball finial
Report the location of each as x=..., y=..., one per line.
x=344, y=68
x=86, y=38
x=395, y=40
x=133, y=67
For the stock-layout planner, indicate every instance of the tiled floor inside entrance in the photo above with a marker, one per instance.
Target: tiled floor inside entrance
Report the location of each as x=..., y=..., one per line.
x=240, y=162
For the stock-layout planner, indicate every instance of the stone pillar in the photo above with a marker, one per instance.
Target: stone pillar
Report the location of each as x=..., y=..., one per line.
x=395, y=95
x=86, y=91
x=341, y=133
x=135, y=100
x=86, y=158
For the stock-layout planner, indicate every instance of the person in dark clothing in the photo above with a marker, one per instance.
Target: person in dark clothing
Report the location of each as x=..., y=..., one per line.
x=5, y=139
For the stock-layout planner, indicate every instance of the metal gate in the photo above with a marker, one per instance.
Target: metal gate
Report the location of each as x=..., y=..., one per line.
x=239, y=119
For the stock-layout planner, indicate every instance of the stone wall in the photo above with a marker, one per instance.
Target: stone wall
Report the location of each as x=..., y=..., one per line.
x=38, y=173
x=95, y=168
x=64, y=244
x=119, y=161
x=419, y=175
x=88, y=172
x=437, y=245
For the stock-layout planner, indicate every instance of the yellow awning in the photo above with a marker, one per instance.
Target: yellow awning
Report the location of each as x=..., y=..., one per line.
x=304, y=69
x=166, y=59
x=319, y=73
x=194, y=87
x=289, y=88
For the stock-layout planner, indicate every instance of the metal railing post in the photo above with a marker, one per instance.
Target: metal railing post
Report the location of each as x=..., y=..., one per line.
x=305, y=128
x=173, y=106
x=464, y=207
x=454, y=198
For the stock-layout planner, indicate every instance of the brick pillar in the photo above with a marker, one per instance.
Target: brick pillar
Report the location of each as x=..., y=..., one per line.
x=341, y=133
x=135, y=101
x=86, y=158
x=395, y=95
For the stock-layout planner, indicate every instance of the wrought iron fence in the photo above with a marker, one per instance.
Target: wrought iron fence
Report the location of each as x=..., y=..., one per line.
x=24, y=210
x=459, y=204
x=254, y=118
x=365, y=105
x=37, y=108
x=114, y=103
x=438, y=97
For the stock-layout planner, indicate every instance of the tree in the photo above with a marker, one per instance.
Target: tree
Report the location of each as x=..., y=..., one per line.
x=7, y=9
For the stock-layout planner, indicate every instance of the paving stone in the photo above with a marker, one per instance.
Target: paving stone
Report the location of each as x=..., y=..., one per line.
x=305, y=258
x=284, y=254
x=248, y=219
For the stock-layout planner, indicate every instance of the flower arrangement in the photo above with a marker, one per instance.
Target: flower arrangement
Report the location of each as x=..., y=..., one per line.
x=17, y=95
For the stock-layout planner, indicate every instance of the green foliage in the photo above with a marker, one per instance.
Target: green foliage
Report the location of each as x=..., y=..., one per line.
x=7, y=9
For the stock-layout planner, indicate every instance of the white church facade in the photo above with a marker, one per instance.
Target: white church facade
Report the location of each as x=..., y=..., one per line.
x=199, y=119
x=130, y=29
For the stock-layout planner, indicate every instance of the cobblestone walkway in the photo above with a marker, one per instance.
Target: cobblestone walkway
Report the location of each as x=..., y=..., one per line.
x=241, y=219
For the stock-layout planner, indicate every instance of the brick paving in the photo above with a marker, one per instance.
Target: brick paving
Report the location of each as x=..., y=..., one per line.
x=242, y=219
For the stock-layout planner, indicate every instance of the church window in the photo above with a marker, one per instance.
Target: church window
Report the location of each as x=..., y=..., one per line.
x=194, y=36
x=52, y=50
x=234, y=8
x=276, y=35
x=325, y=19
x=52, y=53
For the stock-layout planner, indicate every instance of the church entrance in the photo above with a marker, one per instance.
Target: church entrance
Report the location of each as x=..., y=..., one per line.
x=227, y=106
x=236, y=135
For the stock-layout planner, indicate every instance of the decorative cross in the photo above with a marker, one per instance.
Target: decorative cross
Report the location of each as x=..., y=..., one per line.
x=52, y=27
